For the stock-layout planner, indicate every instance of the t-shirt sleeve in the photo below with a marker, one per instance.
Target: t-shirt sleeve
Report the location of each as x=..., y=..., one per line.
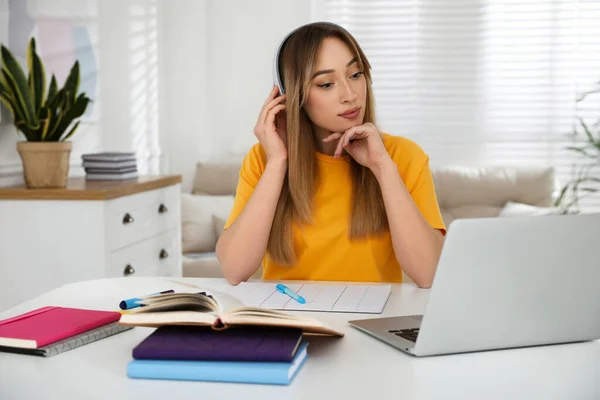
x=251, y=170
x=424, y=196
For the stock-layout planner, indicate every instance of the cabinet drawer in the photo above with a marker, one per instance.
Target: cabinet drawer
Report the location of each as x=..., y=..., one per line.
x=156, y=256
x=130, y=219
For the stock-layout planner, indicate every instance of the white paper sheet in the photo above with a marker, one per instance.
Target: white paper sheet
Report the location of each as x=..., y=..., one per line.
x=319, y=297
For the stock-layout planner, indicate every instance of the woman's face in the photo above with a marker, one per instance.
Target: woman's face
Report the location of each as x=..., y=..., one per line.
x=338, y=89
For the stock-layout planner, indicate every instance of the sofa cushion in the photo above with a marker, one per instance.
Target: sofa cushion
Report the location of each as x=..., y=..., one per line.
x=218, y=225
x=206, y=265
x=217, y=178
x=197, y=226
x=512, y=209
x=469, y=211
x=458, y=186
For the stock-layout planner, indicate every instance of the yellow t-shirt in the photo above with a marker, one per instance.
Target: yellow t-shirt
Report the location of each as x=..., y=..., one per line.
x=323, y=249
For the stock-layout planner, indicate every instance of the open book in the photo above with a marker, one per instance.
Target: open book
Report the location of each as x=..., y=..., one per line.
x=216, y=309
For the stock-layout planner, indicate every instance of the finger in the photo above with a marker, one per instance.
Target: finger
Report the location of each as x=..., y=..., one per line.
x=339, y=147
x=280, y=120
x=343, y=143
x=353, y=137
x=272, y=95
x=273, y=112
x=332, y=137
x=349, y=136
x=271, y=104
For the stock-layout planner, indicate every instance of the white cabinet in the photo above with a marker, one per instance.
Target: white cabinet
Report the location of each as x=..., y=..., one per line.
x=91, y=230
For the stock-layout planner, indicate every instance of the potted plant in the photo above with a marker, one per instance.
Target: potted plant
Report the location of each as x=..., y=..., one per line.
x=43, y=116
x=585, y=182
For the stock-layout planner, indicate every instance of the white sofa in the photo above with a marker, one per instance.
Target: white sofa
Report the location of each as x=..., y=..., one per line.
x=463, y=192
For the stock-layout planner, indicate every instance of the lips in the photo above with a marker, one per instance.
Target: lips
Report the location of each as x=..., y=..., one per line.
x=351, y=114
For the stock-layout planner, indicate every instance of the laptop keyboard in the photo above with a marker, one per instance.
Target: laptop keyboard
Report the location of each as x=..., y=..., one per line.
x=408, y=334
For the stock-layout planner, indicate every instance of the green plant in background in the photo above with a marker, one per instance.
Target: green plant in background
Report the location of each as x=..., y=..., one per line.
x=40, y=116
x=583, y=183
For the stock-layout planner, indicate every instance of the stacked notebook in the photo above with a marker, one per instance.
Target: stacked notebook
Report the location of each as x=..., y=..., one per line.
x=264, y=355
x=49, y=331
x=110, y=166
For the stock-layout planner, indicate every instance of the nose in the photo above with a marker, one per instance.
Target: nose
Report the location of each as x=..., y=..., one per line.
x=348, y=94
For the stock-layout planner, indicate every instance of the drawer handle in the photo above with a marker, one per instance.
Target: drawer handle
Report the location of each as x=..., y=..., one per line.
x=127, y=219
x=129, y=270
x=163, y=254
x=162, y=209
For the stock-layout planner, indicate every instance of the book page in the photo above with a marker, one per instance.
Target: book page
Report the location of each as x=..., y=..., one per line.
x=258, y=317
x=156, y=319
x=201, y=308
x=200, y=302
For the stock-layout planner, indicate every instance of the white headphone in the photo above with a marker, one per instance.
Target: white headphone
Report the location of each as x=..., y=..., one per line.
x=277, y=78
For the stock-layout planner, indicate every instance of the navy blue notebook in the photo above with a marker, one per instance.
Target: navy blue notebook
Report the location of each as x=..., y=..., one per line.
x=180, y=342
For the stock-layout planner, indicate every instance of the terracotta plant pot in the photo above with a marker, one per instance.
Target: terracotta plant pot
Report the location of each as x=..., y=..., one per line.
x=45, y=164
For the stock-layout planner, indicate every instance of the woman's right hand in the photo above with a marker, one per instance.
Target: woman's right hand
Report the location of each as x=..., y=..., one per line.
x=270, y=129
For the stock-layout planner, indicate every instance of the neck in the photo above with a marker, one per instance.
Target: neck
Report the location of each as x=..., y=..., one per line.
x=323, y=148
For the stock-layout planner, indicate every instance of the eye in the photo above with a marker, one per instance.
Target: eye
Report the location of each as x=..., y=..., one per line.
x=356, y=75
x=325, y=85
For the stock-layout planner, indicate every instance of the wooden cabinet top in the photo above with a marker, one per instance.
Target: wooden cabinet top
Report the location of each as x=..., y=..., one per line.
x=82, y=189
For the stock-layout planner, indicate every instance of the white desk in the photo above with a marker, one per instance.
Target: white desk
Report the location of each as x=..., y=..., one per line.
x=354, y=367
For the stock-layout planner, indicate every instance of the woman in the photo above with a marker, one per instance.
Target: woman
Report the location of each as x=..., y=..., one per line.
x=324, y=195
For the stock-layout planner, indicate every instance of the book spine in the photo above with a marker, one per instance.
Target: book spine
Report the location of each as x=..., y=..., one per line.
x=83, y=339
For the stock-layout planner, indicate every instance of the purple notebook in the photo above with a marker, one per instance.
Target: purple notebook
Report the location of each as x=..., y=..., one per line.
x=173, y=342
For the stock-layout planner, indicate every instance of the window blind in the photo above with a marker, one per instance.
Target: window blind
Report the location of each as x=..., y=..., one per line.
x=143, y=62
x=481, y=82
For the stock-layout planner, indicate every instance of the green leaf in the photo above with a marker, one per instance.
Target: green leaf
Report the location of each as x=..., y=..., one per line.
x=73, y=113
x=37, y=76
x=561, y=195
x=19, y=112
x=586, y=94
x=29, y=134
x=54, y=121
x=581, y=150
x=72, y=83
x=45, y=122
x=54, y=124
x=56, y=100
x=6, y=97
x=17, y=83
x=588, y=133
x=52, y=90
x=72, y=131
x=7, y=102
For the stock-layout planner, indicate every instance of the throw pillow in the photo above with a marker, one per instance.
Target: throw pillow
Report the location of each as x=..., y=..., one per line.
x=197, y=227
x=513, y=209
x=219, y=225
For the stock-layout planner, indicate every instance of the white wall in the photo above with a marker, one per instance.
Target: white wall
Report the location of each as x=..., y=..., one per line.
x=125, y=34
x=184, y=108
x=214, y=71
x=217, y=72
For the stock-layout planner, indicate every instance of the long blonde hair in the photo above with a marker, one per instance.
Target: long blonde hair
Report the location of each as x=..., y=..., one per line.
x=297, y=62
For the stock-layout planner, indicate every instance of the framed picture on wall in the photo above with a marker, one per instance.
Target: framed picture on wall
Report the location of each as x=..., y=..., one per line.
x=65, y=30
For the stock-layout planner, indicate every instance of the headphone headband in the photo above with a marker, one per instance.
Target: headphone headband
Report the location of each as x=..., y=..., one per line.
x=277, y=78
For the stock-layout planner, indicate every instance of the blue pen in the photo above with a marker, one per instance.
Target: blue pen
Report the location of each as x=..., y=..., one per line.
x=286, y=290
x=132, y=303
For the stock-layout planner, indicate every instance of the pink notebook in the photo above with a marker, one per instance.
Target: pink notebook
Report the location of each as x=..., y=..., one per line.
x=50, y=324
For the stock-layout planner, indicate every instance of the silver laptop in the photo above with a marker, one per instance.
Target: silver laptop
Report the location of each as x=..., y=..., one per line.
x=505, y=283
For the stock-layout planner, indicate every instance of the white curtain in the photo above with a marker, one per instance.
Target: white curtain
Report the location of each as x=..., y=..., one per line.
x=479, y=82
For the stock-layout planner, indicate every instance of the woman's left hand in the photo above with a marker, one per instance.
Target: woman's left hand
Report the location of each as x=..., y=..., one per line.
x=363, y=143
